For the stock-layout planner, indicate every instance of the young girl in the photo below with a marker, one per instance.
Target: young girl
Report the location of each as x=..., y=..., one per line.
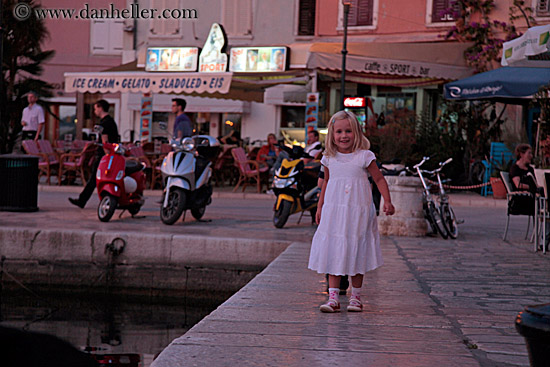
x=347, y=240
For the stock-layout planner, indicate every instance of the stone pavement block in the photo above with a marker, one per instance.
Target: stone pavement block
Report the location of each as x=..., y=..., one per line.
x=196, y=355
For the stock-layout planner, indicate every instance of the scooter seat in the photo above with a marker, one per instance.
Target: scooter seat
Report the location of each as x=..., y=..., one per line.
x=132, y=167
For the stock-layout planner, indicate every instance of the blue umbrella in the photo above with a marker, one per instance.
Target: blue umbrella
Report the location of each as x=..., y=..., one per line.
x=506, y=84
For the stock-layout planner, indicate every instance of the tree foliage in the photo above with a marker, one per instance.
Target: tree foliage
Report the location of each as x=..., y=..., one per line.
x=21, y=66
x=474, y=24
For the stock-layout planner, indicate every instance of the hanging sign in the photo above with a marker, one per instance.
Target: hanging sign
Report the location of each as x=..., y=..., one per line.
x=146, y=117
x=312, y=112
x=172, y=59
x=213, y=57
x=355, y=102
x=258, y=59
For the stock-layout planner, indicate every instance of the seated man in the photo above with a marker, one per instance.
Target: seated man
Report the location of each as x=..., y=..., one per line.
x=269, y=152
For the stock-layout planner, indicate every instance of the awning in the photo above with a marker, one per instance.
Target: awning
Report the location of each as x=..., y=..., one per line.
x=503, y=84
x=533, y=42
x=444, y=60
x=142, y=82
x=131, y=78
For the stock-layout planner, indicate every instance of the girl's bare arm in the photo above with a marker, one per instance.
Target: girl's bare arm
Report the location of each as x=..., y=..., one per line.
x=382, y=185
x=322, y=197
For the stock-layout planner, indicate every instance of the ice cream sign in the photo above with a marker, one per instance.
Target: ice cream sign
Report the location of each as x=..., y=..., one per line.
x=212, y=57
x=172, y=59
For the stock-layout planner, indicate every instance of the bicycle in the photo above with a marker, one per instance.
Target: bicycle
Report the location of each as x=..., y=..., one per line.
x=442, y=219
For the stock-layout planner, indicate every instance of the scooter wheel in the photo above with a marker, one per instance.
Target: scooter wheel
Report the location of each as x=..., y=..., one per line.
x=176, y=204
x=107, y=207
x=281, y=215
x=197, y=213
x=134, y=209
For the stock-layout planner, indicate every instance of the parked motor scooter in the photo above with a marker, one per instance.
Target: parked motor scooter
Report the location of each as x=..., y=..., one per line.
x=186, y=176
x=120, y=183
x=295, y=185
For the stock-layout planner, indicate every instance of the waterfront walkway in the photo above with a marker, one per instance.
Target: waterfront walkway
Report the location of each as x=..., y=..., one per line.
x=434, y=302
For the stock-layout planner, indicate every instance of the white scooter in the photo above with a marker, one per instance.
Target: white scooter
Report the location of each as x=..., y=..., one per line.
x=186, y=176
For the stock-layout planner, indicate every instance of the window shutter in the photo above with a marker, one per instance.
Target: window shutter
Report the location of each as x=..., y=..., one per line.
x=543, y=8
x=306, y=18
x=99, y=37
x=164, y=26
x=237, y=17
x=360, y=13
x=440, y=6
x=116, y=30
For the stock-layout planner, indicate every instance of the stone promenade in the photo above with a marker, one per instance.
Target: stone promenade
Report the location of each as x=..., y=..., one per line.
x=434, y=302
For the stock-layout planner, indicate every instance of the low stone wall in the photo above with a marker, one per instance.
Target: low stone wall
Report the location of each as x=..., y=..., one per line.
x=408, y=220
x=147, y=263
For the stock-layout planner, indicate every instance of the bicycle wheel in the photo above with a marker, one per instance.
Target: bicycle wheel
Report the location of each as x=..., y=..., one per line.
x=449, y=220
x=436, y=220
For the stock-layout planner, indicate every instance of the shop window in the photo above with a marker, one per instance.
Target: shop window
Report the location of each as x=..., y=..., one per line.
x=306, y=17
x=231, y=122
x=160, y=125
x=237, y=17
x=67, y=122
x=161, y=26
x=293, y=117
x=106, y=36
x=542, y=8
x=438, y=10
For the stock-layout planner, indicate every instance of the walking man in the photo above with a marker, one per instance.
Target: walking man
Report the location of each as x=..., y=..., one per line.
x=33, y=118
x=183, y=126
x=109, y=135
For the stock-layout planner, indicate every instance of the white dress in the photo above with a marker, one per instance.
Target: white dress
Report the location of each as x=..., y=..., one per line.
x=347, y=240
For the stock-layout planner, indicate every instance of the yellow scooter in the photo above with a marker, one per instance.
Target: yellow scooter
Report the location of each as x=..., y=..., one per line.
x=295, y=185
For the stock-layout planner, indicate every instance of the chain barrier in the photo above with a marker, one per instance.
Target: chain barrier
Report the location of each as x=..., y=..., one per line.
x=461, y=187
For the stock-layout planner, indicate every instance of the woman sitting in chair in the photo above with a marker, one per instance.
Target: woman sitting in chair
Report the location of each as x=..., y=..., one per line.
x=521, y=172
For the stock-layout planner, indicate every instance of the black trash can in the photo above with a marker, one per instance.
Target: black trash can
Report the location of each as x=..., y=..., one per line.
x=18, y=183
x=533, y=323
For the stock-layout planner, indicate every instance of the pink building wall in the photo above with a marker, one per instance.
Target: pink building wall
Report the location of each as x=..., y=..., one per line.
x=70, y=38
x=398, y=21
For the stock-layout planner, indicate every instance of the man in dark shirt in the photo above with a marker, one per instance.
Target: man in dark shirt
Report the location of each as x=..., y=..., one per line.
x=108, y=135
x=183, y=126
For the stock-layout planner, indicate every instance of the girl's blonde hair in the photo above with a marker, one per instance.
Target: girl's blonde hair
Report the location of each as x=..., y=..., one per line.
x=360, y=141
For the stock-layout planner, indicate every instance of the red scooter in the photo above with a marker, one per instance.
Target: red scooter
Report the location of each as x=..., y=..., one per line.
x=120, y=183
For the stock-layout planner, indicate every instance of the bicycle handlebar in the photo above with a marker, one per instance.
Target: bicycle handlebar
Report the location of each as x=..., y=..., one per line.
x=424, y=160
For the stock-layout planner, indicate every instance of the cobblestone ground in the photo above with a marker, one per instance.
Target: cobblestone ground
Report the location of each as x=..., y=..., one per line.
x=480, y=282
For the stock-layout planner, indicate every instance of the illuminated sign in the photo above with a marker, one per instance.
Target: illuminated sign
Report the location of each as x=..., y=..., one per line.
x=355, y=102
x=172, y=59
x=213, y=58
x=258, y=59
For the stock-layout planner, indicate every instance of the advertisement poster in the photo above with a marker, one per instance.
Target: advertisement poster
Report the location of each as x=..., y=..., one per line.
x=258, y=59
x=146, y=116
x=172, y=59
x=312, y=112
x=212, y=57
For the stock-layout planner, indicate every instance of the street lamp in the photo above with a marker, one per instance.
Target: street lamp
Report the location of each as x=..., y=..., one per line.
x=346, y=5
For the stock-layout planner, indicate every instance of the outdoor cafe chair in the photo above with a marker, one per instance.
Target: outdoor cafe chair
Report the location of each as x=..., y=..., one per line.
x=249, y=170
x=518, y=203
x=79, y=163
x=44, y=164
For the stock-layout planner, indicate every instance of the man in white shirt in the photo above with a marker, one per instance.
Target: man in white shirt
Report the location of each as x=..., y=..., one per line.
x=33, y=118
x=314, y=146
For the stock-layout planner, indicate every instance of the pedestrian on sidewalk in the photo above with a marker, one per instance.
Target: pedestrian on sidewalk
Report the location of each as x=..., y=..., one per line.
x=33, y=118
x=108, y=135
x=347, y=239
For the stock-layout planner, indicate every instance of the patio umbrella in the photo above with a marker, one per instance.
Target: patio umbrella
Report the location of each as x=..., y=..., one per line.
x=514, y=85
x=534, y=41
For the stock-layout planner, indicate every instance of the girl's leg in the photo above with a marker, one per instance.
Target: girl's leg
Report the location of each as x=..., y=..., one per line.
x=355, y=304
x=333, y=304
x=334, y=281
x=357, y=281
